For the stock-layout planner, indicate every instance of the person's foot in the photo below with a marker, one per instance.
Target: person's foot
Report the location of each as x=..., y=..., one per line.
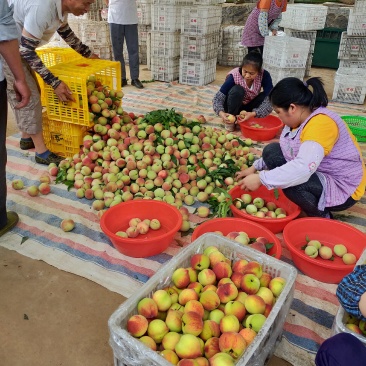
x=52, y=158
x=26, y=144
x=137, y=83
x=124, y=82
x=13, y=219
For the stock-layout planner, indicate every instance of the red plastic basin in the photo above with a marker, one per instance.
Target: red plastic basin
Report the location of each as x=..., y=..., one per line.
x=274, y=225
x=228, y=224
x=270, y=126
x=154, y=242
x=328, y=232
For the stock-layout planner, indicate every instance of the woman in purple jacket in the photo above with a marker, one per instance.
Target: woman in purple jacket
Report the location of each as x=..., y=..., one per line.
x=265, y=17
x=318, y=162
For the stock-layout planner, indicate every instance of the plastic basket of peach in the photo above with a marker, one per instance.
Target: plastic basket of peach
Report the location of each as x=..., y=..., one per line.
x=346, y=323
x=151, y=328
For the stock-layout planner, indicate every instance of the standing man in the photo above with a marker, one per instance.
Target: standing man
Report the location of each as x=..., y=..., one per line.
x=37, y=21
x=9, y=50
x=122, y=19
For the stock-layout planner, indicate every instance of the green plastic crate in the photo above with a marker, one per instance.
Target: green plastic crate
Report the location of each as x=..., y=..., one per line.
x=326, y=48
x=357, y=125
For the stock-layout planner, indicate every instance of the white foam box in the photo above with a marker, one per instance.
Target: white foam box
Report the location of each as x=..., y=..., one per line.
x=279, y=73
x=352, y=48
x=201, y=19
x=339, y=323
x=232, y=56
x=202, y=48
x=309, y=35
x=143, y=12
x=164, y=68
x=356, y=23
x=286, y=52
x=165, y=18
x=304, y=16
x=129, y=351
x=165, y=44
x=350, y=85
x=193, y=72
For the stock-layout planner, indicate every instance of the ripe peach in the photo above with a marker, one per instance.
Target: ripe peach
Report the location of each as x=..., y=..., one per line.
x=162, y=299
x=44, y=188
x=340, y=250
x=170, y=340
x=229, y=323
x=227, y=292
x=232, y=344
x=250, y=283
x=192, y=323
x=157, y=330
x=325, y=252
x=174, y=320
x=239, y=266
x=210, y=329
x=253, y=267
x=276, y=285
x=181, y=278
x=170, y=356
x=67, y=225
x=349, y=258
x=266, y=294
x=132, y=232
x=248, y=335
x=194, y=306
x=17, y=184
x=142, y=228
x=211, y=347
x=210, y=300
x=200, y=261
x=148, y=308
x=188, y=346
x=254, y=304
x=222, y=270
x=137, y=325
x=236, y=308
x=149, y=342
x=207, y=277
x=186, y=295
x=33, y=191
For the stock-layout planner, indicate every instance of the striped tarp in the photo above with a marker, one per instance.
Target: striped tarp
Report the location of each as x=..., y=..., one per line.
x=87, y=252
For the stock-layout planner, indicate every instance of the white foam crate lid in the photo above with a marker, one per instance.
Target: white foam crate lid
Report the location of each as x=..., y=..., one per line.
x=304, y=16
x=201, y=19
x=352, y=47
x=199, y=47
x=165, y=44
x=286, y=51
x=356, y=24
x=132, y=352
x=165, y=18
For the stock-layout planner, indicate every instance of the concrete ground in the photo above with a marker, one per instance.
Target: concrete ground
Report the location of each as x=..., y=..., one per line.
x=49, y=317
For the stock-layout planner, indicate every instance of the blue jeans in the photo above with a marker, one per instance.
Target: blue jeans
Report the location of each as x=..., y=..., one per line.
x=305, y=195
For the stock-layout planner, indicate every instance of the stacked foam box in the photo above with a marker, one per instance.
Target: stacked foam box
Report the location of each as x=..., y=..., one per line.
x=285, y=56
x=310, y=36
x=350, y=79
x=199, y=41
x=165, y=28
x=231, y=52
x=302, y=21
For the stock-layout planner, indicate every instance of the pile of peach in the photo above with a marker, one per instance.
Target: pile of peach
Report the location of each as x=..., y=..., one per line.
x=315, y=248
x=259, y=207
x=136, y=226
x=355, y=325
x=211, y=312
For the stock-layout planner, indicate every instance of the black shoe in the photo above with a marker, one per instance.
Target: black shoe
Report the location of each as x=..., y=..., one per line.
x=26, y=145
x=124, y=82
x=137, y=83
x=52, y=158
x=13, y=219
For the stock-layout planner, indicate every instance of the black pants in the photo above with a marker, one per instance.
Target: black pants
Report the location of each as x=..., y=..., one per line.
x=3, y=156
x=234, y=101
x=305, y=195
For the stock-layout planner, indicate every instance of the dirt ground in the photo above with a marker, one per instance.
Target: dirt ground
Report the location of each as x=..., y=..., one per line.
x=49, y=317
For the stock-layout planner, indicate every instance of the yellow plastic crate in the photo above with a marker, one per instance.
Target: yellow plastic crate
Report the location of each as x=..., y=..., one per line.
x=63, y=138
x=75, y=74
x=54, y=56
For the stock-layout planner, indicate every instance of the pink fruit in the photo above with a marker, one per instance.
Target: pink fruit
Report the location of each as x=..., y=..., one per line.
x=44, y=188
x=67, y=225
x=33, y=191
